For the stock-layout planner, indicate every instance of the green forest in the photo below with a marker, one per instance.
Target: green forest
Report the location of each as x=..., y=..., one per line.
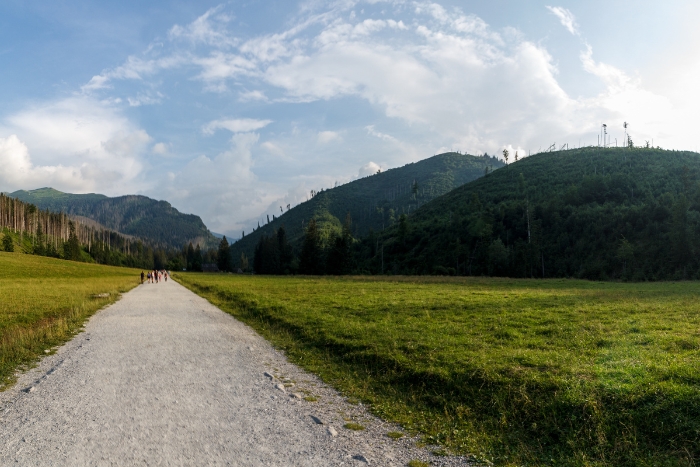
x=373, y=202
x=156, y=222
x=594, y=213
x=27, y=229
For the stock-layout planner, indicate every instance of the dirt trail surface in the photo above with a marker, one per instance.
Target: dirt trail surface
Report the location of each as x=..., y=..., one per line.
x=162, y=377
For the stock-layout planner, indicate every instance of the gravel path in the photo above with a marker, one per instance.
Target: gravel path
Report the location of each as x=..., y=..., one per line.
x=162, y=377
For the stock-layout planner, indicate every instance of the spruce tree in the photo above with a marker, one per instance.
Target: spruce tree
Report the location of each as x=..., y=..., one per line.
x=310, y=261
x=223, y=260
x=190, y=257
x=339, y=260
x=71, y=248
x=258, y=254
x=267, y=256
x=197, y=259
x=7, y=243
x=285, y=251
x=39, y=248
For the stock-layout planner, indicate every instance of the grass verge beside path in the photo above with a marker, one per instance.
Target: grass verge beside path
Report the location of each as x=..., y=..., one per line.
x=517, y=372
x=44, y=301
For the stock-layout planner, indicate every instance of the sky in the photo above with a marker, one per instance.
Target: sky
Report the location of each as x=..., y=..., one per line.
x=229, y=110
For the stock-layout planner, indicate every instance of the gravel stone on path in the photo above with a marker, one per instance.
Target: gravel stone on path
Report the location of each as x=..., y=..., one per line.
x=162, y=377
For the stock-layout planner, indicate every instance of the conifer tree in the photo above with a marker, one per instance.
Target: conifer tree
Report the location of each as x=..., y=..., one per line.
x=39, y=248
x=7, y=243
x=223, y=260
x=197, y=259
x=310, y=261
x=267, y=256
x=71, y=248
x=189, y=255
x=340, y=254
x=285, y=251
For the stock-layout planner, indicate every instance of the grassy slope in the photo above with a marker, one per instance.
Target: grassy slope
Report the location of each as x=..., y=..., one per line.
x=361, y=198
x=581, y=204
x=521, y=372
x=156, y=221
x=45, y=300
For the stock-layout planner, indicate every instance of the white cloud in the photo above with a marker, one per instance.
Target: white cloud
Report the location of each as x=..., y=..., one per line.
x=613, y=78
x=325, y=137
x=95, y=83
x=272, y=148
x=240, y=125
x=256, y=95
x=77, y=144
x=371, y=131
x=161, y=149
x=135, y=68
x=209, y=29
x=19, y=172
x=449, y=73
x=568, y=20
x=223, y=189
x=369, y=26
x=295, y=195
x=144, y=99
x=370, y=168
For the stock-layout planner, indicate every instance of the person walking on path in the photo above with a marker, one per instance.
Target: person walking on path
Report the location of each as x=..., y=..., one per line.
x=142, y=276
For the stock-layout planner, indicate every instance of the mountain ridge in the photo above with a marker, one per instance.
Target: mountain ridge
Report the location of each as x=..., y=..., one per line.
x=155, y=221
x=373, y=202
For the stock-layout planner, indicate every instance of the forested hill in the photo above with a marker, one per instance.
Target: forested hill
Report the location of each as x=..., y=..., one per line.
x=631, y=213
x=373, y=202
x=154, y=221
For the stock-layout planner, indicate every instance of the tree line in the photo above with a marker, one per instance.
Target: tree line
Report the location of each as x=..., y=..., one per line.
x=587, y=213
x=41, y=232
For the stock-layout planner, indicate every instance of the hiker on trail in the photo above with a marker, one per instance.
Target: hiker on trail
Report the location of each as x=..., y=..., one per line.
x=149, y=277
x=142, y=276
x=165, y=273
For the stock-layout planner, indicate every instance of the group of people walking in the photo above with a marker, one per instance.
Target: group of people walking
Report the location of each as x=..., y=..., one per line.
x=154, y=276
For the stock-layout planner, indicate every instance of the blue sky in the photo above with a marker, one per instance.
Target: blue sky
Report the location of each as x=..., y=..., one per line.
x=231, y=109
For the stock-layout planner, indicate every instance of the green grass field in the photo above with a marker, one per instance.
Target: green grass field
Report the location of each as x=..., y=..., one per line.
x=43, y=302
x=517, y=372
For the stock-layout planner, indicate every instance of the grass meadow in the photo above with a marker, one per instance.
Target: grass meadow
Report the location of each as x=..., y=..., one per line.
x=44, y=301
x=515, y=372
